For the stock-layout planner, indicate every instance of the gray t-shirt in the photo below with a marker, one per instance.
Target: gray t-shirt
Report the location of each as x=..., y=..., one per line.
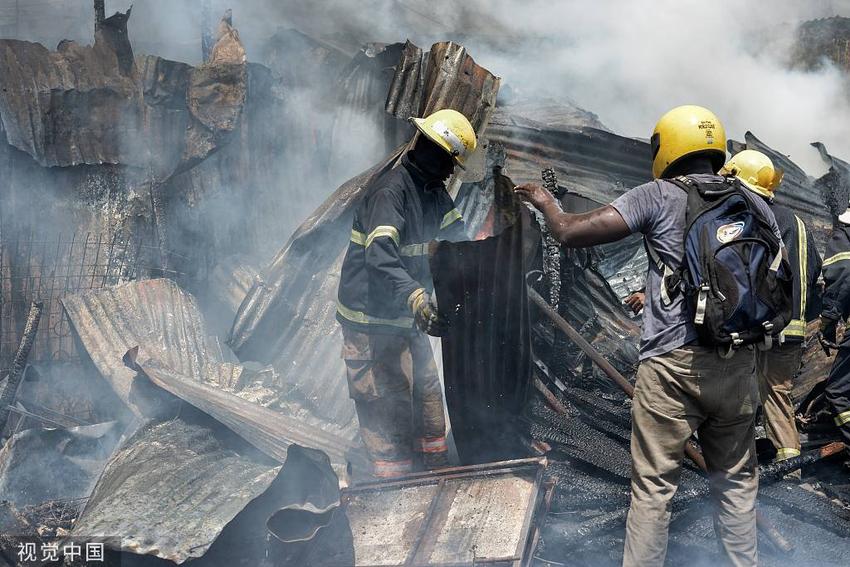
x=657, y=210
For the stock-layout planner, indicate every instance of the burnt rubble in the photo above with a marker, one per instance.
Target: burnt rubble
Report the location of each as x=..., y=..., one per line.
x=186, y=393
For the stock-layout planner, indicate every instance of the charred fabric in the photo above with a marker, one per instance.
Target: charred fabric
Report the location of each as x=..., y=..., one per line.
x=172, y=394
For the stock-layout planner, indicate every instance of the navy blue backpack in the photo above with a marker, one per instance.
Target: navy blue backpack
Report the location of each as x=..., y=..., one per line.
x=738, y=284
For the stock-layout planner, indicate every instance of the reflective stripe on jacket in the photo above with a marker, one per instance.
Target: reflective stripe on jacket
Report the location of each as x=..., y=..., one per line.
x=805, y=265
x=836, y=274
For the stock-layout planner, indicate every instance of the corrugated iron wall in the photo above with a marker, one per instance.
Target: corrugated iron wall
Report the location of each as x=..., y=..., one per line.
x=487, y=352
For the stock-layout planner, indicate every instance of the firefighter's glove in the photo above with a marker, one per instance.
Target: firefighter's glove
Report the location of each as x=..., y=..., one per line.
x=827, y=334
x=425, y=314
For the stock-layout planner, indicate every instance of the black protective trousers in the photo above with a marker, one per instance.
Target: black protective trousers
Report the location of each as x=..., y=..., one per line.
x=838, y=387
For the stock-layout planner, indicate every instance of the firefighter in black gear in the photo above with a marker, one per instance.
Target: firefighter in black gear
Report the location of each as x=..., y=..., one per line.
x=836, y=307
x=384, y=303
x=777, y=367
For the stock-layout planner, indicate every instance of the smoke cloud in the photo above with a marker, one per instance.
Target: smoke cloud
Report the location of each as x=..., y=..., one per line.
x=628, y=62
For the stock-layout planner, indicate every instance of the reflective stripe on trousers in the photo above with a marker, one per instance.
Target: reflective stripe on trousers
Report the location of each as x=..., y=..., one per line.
x=431, y=445
x=391, y=469
x=784, y=453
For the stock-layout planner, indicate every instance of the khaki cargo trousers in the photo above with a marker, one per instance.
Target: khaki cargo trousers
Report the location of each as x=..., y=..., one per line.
x=776, y=370
x=395, y=385
x=693, y=390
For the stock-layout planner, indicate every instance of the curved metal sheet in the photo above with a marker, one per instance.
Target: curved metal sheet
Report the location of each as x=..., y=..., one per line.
x=171, y=489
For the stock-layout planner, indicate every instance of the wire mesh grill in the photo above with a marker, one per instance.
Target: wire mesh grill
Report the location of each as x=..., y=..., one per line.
x=33, y=269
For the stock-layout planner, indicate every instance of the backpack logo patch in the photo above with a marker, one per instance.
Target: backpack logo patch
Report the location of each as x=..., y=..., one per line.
x=729, y=232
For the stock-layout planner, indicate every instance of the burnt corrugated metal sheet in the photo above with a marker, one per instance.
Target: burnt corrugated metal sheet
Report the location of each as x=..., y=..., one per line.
x=587, y=299
x=156, y=313
x=288, y=319
x=480, y=287
x=94, y=83
x=548, y=113
x=195, y=476
x=88, y=105
x=171, y=489
x=453, y=80
x=835, y=184
x=167, y=322
x=592, y=162
x=115, y=319
x=267, y=430
x=404, y=97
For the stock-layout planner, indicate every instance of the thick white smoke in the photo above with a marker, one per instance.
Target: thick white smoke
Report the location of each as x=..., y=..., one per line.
x=627, y=61
x=631, y=61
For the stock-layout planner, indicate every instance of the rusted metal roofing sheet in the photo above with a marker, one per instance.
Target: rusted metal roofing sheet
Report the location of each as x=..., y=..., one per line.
x=267, y=430
x=454, y=80
x=463, y=516
x=92, y=85
x=156, y=313
x=594, y=163
x=88, y=105
x=171, y=489
x=167, y=323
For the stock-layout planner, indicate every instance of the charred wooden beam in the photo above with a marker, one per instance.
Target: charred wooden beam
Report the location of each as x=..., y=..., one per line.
x=10, y=390
x=779, y=469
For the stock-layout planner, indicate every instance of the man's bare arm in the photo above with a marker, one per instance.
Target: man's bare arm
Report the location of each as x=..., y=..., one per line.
x=598, y=226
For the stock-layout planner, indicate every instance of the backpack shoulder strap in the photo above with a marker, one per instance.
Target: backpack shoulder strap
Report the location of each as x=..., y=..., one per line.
x=670, y=278
x=683, y=182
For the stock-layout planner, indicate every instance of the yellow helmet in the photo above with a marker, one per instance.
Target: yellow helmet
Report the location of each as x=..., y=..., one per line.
x=685, y=131
x=755, y=170
x=450, y=130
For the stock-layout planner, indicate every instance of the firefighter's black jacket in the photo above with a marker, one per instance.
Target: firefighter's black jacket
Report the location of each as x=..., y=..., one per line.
x=836, y=274
x=387, y=257
x=805, y=264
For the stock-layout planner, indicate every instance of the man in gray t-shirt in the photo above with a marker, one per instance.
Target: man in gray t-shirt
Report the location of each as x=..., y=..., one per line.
x=681, y=387
x=657, y=210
